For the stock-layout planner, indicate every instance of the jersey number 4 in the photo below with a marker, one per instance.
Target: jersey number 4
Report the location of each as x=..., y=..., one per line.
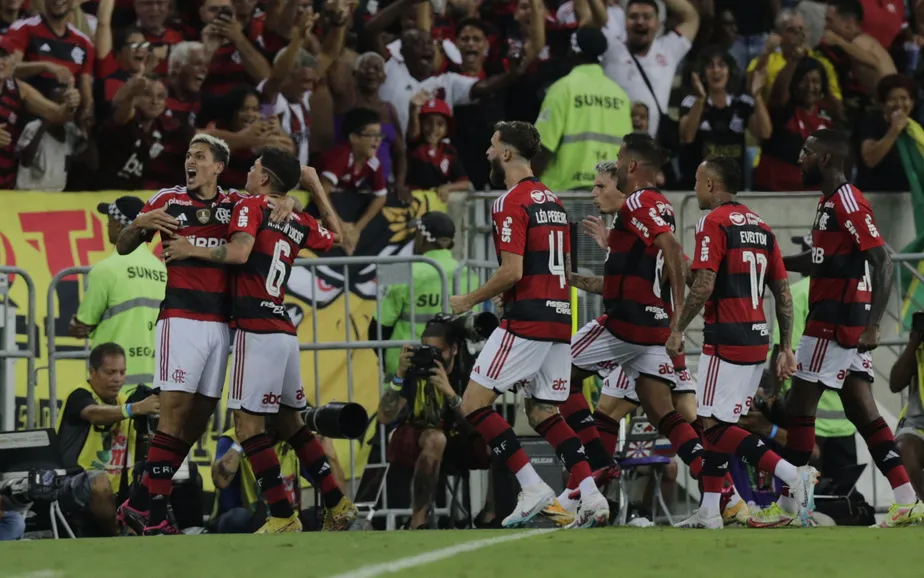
x=277, y=272
x=557, y=256
x=758, y=269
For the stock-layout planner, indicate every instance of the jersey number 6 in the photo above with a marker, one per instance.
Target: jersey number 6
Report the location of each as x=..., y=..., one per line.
x=277, y=272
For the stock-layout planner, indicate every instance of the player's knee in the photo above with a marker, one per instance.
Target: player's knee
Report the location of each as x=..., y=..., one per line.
x=433, y=443
x=685, y=404
x=100, y=487
x=474, y=399
x=614, y=407
x=247, y=425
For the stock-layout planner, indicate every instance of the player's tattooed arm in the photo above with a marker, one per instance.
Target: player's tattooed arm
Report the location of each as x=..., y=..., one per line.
x=589, y=283
x=882, y=274
x=224, y=470
x=703, y=283
x=390, y=406
x=801, y=263
x=130, y=239
x=784, y=310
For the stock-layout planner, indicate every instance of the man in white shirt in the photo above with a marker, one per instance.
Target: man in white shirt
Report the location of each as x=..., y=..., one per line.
x=658, y=56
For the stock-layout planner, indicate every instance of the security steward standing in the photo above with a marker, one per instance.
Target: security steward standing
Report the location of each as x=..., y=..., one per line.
x=434, y=240
x=96, y=433
x=123, y=297
x=582, y=120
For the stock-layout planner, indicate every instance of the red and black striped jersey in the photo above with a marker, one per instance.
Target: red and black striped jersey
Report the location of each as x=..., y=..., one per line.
x=840, y=293
x=12, y=114
x=226, y=69
x=633, y=281
x=184, y=111
x=530, y=221
x=38, y=43
x=258, y=286
x=197, y=289
x=142, y=156
x=742, y=250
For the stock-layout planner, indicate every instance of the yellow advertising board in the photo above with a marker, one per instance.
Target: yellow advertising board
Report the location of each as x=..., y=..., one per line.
x=44, y=233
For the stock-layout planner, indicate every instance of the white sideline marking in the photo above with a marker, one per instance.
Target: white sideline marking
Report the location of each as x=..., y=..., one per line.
x=373, y=570
x=40, y=574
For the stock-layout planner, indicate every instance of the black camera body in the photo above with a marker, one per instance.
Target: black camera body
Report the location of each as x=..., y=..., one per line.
x=424, y=359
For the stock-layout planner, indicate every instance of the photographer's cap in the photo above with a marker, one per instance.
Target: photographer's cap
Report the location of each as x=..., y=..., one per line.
x=436, y=225
x=124, y=209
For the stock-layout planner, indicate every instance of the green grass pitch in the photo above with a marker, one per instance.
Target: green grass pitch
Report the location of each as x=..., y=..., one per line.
x=626, y=552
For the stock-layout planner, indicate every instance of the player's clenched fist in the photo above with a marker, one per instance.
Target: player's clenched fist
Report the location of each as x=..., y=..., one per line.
x=459, y=304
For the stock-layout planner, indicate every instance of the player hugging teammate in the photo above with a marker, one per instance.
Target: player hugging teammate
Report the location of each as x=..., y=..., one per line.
x=205, y=229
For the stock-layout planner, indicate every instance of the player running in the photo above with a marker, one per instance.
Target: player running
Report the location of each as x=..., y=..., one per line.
x=644, y=270
x=192, y=339
x=530, y=347
x=736, y=255
x=266, y=367
x=851, y=272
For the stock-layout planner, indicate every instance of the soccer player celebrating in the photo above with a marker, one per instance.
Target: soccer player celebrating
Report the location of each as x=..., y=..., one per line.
x=530, y=347
x=736, y=255
x=851, y=272
x=644, y=270
x=192, y=338
x=266, y=368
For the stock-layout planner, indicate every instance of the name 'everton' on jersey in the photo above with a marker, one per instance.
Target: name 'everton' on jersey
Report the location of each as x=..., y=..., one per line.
x=740, y=248
x=840, y=292
x=530, y=221
x=258, y=286
x=635, y=291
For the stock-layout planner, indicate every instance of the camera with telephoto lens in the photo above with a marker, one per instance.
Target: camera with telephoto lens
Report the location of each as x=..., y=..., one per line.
x=477, y=326
x=917, y=323
x=40, y=486
x=337, y=420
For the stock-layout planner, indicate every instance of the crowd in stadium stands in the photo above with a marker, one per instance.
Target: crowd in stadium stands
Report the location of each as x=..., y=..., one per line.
x=105, y=94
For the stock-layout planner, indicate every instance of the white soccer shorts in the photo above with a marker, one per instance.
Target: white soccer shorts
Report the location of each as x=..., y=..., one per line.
x=824, y=361
x=266, y=373
x=725, y=391
x=191, y=356
x=619, y=385
x=541, y=368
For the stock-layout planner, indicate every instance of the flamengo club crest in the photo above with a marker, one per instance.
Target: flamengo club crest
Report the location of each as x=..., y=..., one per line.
x=203, y=215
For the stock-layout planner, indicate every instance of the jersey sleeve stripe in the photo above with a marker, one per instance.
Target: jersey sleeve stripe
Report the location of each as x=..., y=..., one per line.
x=635, y=201
x=700, y=224
x=848, y=199
x=162, y=192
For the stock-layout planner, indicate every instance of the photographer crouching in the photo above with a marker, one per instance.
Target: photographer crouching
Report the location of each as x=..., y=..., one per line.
x=428, y=384
x=908, y=371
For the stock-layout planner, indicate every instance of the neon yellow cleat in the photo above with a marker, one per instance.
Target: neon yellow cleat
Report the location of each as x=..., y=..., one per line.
x=340, y=517
x=281, y=525
x=558, y=514
x=773, y=516
x=737, y=514
x=901, y=515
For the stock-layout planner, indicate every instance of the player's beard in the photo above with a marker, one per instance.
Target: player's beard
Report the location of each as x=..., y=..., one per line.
x=498, y=176
x=812, y=177
x=622, y=180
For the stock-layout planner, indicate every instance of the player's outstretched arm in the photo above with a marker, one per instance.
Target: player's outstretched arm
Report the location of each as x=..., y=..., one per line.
x=703, y=284
x=506, y=276
x=801, y=263
x=235, y=252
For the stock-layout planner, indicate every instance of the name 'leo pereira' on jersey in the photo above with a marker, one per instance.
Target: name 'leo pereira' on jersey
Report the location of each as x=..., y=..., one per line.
x=531, y=221
x=635, y=292
x=740, y=248
x=840, y=292
x=258, y=286
x=197, y=289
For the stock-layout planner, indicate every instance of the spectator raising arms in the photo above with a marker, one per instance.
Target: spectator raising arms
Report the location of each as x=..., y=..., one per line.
x=231, y=50
x=152, y=21
x=18, y=99
x=869, y=61
x=354, y=173
x=713, y=119
x=796, y=111
x=362, y=91
x=141, y=144
x=119, y=56
x=433, y=163
x=890, y=149
x=238, y=113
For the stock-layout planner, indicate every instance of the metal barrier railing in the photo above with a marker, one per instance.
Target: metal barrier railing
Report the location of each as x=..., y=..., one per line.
x=31, y=350
x=50, y=334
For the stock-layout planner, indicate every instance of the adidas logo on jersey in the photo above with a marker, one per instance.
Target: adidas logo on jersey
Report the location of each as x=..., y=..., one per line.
x=182, y=219
x=44, y=48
